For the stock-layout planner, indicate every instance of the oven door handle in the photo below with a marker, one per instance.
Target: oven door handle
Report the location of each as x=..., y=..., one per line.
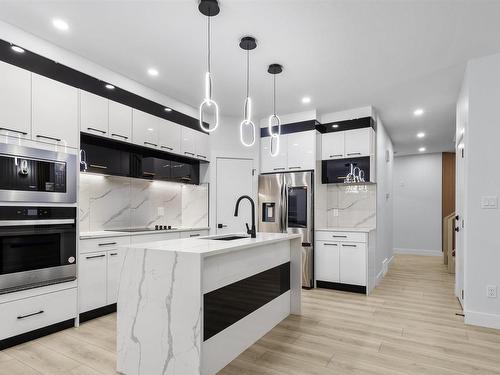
x=10, y=223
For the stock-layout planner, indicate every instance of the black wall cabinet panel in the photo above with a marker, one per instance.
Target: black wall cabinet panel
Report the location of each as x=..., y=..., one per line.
x=335, y=171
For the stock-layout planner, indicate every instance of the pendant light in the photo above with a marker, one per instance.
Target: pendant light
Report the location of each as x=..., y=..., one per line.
x=274, y=119
x=247, y=43
x=209, y=8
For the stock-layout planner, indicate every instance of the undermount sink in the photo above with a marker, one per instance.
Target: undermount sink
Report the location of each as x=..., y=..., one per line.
x=228, y=238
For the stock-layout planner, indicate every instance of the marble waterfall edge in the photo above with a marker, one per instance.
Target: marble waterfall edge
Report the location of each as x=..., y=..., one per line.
x=157, y=306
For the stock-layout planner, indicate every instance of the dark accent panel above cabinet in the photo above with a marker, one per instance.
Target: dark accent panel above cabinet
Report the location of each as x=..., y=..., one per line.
x=110, y=157
x=338, y=126
x=62, y=73
x=294, y=127
x=335, y=171
x=231, y=303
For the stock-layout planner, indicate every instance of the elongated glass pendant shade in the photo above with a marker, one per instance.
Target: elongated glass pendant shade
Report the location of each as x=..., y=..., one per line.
x=275, y=150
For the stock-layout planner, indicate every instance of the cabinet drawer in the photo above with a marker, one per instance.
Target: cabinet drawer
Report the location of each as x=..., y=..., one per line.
x=341, y=236
x=102, y=244
x=194, y=233
x=36, y=312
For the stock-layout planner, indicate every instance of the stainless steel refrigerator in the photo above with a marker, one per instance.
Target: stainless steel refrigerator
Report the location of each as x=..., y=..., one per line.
x=286, y=204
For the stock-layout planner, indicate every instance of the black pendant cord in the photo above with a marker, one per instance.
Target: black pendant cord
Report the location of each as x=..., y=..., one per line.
x=274, y=94
x=248, y=73
x=209, y=57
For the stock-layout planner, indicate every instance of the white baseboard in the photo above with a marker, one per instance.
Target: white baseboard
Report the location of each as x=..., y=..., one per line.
x=379, y=277
x=434, y=253
x=389, y=264
x=482, y=319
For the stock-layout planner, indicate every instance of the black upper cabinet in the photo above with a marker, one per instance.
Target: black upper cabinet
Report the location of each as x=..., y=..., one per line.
x=121, y=159
x=335, y=171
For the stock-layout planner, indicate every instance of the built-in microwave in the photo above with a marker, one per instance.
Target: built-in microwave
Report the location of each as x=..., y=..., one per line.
x=37, y=246
x=36, y=176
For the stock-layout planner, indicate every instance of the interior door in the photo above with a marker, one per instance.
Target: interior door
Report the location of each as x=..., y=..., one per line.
x=459, y=222
x=234, y=179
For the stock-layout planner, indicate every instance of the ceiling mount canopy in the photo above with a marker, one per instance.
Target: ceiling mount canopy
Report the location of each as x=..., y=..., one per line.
x=209, y=8
x=275, y=69
x=247, y=43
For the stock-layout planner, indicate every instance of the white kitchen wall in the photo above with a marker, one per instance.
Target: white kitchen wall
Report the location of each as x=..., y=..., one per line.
x=112, y=202
x=478, y=102
x=385, y=222
x=417, y=204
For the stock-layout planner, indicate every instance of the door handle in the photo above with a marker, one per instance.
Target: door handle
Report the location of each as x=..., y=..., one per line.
x=220, y=226
x=47, y=137
x=457, y=217
x=14, y=131
x=97, y=130
x=457, y=229
x=119, y=135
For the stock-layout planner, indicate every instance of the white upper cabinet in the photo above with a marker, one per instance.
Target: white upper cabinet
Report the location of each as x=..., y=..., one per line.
x=54, y=112
x=202, y=146
x=278, y=163
x=301, y=150
x=145, y=129
x=348, y=144
x=332, y=145
x=15, y=96
x=120, y=121
x=94, y=114
x=358, y=142
x=188, y=142
x=170, y=136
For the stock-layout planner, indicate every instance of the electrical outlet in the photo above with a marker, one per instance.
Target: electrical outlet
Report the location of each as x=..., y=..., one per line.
x=161, y=211
x=335, y=212
x=491, y=291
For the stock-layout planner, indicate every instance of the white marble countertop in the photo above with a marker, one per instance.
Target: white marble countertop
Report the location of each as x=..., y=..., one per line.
x=206, y=246
x=105, y=233
x=346, y=229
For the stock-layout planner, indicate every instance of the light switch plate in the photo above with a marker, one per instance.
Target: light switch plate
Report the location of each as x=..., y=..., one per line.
x=489, y=202
x=335, y=212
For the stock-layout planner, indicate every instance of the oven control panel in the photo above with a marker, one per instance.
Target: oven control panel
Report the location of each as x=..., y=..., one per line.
x=34, y=213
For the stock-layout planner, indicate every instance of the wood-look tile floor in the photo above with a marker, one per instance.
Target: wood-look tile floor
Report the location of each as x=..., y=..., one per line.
x=407, y=326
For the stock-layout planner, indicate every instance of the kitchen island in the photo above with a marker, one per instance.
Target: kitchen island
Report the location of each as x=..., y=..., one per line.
x=190, y=306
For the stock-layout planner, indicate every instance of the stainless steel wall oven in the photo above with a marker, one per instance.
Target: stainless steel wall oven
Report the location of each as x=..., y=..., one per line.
x=37, y=246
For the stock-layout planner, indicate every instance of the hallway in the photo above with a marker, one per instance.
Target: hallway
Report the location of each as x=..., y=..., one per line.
x=407, y=326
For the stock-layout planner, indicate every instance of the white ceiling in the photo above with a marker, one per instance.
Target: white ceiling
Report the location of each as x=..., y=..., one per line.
x=394, y=55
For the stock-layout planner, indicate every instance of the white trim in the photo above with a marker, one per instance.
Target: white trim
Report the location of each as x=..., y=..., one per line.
x=390, y=262
x=482, y=319
x=434, y=253
x=379, y=278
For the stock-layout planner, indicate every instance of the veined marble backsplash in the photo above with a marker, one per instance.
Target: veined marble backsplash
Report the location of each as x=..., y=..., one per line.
x=351, y=205
x=111, y=202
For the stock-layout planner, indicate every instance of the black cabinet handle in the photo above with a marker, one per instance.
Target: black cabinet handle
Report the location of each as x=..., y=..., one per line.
x=194, y=235
x=188, y=153
x=353, y=153
x=331, y=244
x=345, y=245
x=29, y=315
x=278, y=169
x=220, y=226
x=119, y=135
x=293, y=167
x=47, y=137
x=113, y=254
x=167, y=148
x=336, y=236
x=97, y=130
x=457, y=229
x=457, y=217
x=107, y=243
x=98, y=166
x=14, y=131
x=95, y=256
x=201, y=156
x=151, y=144
x=336, y=156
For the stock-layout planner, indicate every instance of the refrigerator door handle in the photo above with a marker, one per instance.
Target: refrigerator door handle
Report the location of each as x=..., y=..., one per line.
x=285, y=209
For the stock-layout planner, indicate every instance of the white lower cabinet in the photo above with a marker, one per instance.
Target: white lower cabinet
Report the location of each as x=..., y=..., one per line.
x=341, y=257
x=352, y=262
x=114, y=267
x=327, y=261
x=92, y=281
x=36, y=312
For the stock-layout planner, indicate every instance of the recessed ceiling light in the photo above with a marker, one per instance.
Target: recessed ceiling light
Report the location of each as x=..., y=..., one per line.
x=153, y=72
x=422, y=149
x=306, y=100
x=421, y=135
x=17, y=49
x=335, y=126
x=168, y=109
x=109, y=86
x=60, y=24
x=418, y=112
